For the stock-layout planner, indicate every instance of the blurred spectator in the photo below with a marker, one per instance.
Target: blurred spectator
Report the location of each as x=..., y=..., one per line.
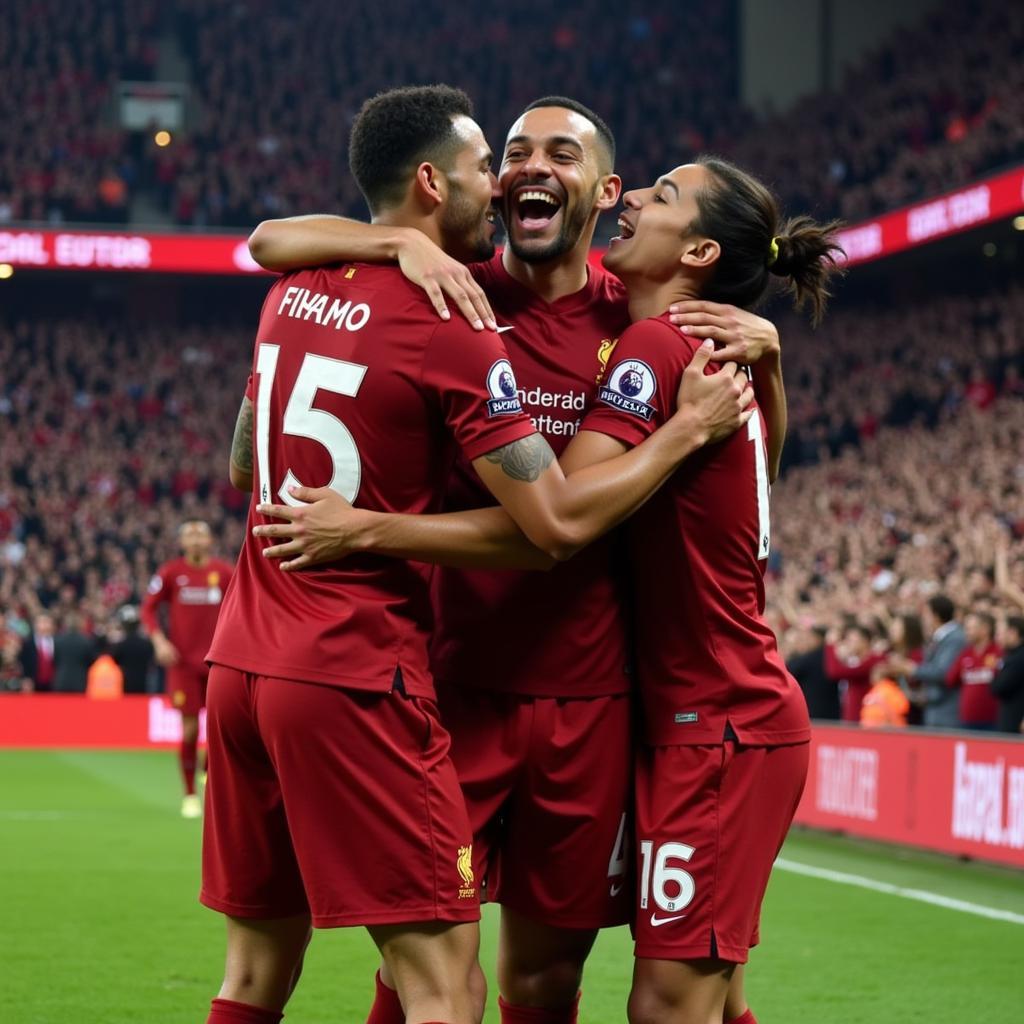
x=73, y=653
x=104, y=680
x=947, y=640
x=885, y=704
x=973, y=671
x=37, y=654
x=806, y=661
x=13, y=678
x=1008, y=684
x=849, y=662
x=132, y=651
x=906, y=652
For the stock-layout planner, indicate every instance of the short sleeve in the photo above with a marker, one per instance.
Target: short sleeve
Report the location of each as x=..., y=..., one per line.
x=158, y=592
x=638, y=392
x=470, y=374
x=250, y=391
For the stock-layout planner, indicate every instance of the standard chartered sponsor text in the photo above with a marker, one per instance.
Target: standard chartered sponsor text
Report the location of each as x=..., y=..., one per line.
x=536, y=399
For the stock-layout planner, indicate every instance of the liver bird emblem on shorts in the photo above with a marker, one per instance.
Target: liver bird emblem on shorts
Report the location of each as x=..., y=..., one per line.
x=465, y=864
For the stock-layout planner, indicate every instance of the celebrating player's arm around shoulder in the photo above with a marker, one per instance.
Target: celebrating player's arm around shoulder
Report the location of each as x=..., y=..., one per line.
x=546, y=515
x=561, y=515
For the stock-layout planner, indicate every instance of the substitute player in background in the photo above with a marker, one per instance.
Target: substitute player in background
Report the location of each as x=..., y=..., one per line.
x=542, y=741
x=192, y=588
x=332, y=798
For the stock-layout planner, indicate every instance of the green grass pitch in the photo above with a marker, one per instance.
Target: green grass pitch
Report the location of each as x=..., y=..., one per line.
x=100, y=924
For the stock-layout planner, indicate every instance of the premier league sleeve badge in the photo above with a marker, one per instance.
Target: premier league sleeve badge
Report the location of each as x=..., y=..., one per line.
x=630, y=388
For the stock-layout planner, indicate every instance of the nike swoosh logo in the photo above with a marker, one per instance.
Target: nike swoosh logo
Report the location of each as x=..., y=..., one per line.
x=657, y=922
x=502, y=330
x=616, y=889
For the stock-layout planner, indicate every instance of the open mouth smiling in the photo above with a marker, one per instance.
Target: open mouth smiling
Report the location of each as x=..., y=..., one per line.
x=535, y=208
x=626, y=230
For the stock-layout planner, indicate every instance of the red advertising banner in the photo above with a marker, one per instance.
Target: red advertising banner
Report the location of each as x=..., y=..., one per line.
x=109, y=250
x=981, y=203
x=172, y=253
x=954, y=793
x=67, y=720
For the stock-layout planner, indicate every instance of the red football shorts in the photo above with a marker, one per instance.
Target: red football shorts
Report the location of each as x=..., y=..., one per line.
x=547, y=784
x=710, y=822
x=339, y=803
x=185, y=686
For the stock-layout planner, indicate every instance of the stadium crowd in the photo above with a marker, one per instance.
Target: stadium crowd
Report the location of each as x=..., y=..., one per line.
x=113, y=434
x=62, y=158
x=919, y=450
x=894, y=131
x=272, y=145
x=263, y=144
x=909, y=133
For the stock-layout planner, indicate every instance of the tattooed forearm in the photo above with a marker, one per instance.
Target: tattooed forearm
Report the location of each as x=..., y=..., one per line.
x=525, y=459
x=241, y=443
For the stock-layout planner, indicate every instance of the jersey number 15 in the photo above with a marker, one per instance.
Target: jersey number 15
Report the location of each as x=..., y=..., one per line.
x=317, y=373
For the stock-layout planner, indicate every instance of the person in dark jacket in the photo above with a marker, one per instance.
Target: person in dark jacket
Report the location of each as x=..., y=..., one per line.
x=807, y=664
x=1008, y=684
x=73, y=653
x=132, y=651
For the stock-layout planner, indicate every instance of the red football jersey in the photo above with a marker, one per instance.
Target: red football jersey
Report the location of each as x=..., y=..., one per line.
x=973, y=671
x=358, y=385
x=560, y=633
x=698, y=550
x=193, y=595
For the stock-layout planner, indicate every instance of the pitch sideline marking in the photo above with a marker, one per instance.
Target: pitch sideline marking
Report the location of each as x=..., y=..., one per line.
x=921, y=895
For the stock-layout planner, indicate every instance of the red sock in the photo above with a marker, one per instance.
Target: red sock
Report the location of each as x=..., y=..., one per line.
x=747, y=1017
x=539, y=1014
x=387, y=1008
x=224, y=1011
x=187, y=757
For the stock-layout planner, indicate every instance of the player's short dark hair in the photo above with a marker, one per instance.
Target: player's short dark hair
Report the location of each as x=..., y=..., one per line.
x=942, y=607
x=395, y=131
x=604, y=133
x=1016, y=623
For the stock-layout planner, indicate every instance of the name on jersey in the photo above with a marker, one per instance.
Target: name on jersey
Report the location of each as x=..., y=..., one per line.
x=630, y=388
x=302, y=304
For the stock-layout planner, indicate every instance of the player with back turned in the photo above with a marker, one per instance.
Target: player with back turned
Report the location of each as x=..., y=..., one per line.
x=332, y=799
x=192, y=588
